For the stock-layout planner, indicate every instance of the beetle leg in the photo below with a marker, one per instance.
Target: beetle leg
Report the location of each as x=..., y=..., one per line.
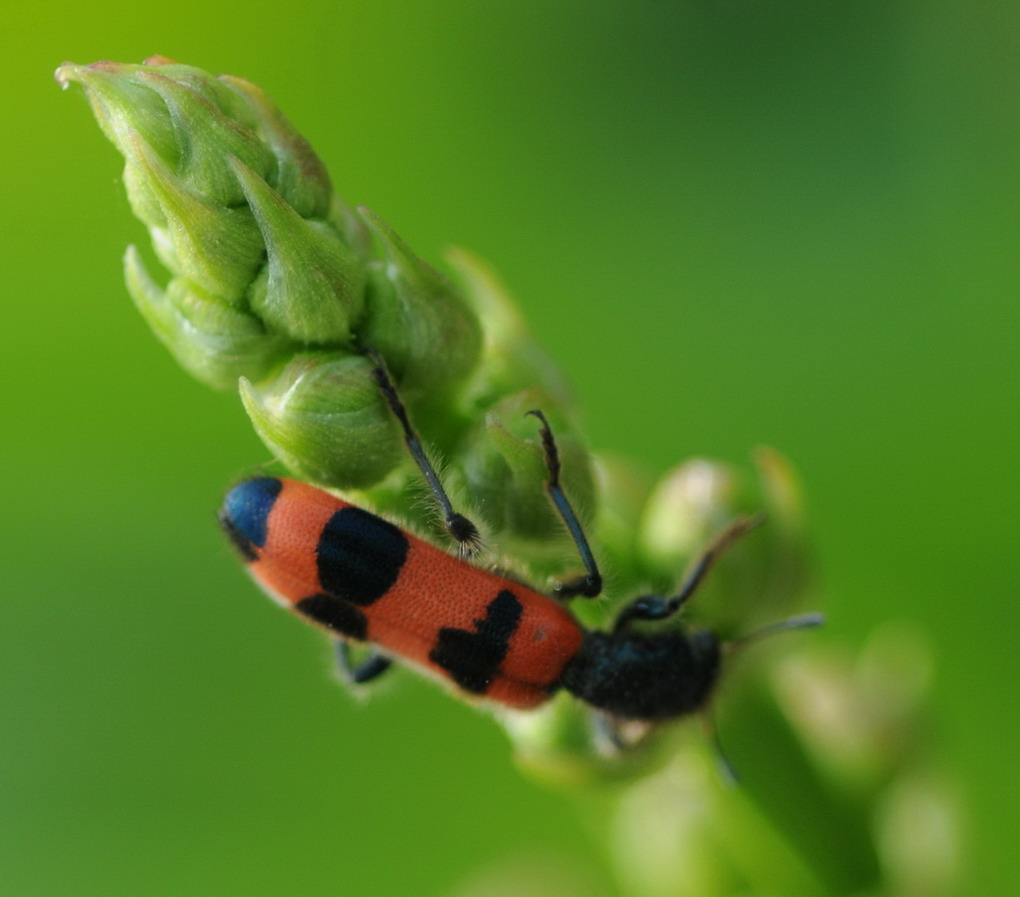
x=361, y=673
x=457, y=525
x=590, y=584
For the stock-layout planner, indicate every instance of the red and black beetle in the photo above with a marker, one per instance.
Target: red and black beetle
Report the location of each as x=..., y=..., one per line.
x=366, y=580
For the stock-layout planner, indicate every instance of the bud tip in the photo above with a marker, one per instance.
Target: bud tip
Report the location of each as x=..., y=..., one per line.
x=66, y=73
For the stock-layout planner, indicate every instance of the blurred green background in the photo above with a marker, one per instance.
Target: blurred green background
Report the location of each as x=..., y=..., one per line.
x=732, y=222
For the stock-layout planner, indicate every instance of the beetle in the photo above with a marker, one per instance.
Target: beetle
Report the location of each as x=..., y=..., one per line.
x=367, y=581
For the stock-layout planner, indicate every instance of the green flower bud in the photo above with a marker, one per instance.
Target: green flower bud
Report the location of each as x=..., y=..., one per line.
x=688, y=505
x=197, y=148
x=206, y=151
x=215, y=343
x=323, y=416
x=863, y=718
x=511, y=359
x=416, y=319
x=217, y=247
x=680, y=833
x=686, y=509
x=556, y=745
x=301, y=178
x=352, y=229
x=312, y=286
x=759, y=578
x=860, y=715
x=210, y=87
x=505, y=473
x=920, y=833
x=186, y=115
x=124, y=107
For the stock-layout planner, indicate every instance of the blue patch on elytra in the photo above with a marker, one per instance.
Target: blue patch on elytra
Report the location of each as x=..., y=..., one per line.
x=245, y=512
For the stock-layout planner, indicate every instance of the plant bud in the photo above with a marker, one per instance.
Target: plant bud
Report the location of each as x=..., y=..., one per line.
x=301, y=178
x=505, y=471
x=763, y=575
x=217, y=247
x=312, y=285
x=511, y=358
x=416, y=319
x=324, y=418
x=213, y=342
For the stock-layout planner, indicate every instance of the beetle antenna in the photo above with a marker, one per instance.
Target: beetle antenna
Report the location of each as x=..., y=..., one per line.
x=803, y=621
x=726, y=769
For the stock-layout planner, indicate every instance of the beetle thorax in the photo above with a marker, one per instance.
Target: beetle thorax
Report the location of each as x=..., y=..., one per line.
x=645, y=675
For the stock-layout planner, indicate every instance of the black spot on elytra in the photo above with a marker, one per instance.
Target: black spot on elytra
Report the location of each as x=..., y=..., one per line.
x=359, y=556
x=335, y=614
x=472, y=658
